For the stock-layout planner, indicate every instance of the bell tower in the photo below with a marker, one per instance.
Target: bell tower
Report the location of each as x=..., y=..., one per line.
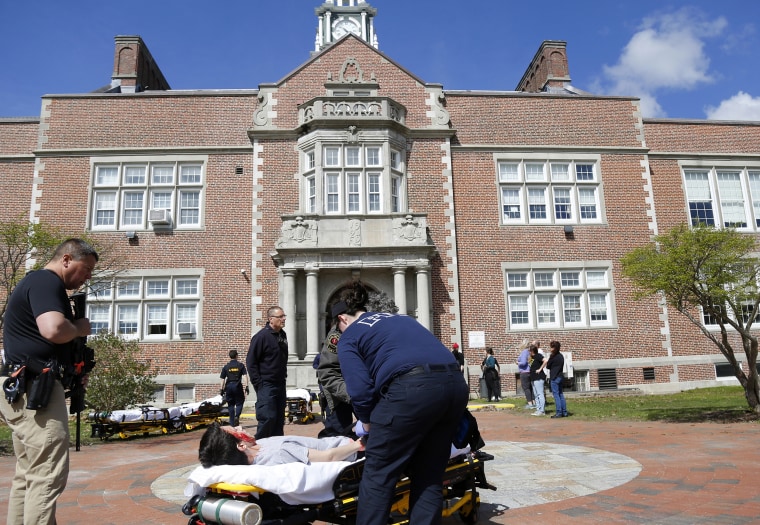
x=340, y=17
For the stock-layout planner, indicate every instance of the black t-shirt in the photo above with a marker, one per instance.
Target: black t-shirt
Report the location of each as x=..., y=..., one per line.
x=233, y=371
x=39, y=292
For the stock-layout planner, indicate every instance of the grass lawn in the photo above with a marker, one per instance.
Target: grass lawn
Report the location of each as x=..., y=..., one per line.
x=724, y=404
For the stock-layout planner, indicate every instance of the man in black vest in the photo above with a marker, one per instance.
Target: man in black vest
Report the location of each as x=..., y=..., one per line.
x=232, y=387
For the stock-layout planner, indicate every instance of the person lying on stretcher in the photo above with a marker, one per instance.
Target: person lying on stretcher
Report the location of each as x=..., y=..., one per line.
x=225, y=445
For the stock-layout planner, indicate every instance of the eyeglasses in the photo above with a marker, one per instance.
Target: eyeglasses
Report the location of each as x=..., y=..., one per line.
x=283, y=316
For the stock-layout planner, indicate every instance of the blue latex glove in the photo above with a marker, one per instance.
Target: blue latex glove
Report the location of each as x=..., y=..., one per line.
x=359, y=429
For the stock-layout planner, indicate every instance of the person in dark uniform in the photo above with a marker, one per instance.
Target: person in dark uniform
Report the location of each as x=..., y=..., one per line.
x=339, y=415
x=233, y=387
x=409, y=395
x=267, y=364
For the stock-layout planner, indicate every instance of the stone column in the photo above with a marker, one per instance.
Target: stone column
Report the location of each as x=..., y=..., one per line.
x=289, y=307
x=423, y=294
x=399, y=289
x=312, y=312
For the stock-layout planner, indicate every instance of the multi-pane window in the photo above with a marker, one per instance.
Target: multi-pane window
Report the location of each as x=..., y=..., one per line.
x=723, y=196
x=138, y=196
x=711, y=320
x=549, y=192
x=559, y=297
x=146, y=307
x=352, y=179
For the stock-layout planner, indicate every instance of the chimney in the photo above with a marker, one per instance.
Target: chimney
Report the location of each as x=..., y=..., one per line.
x=547, y=70
x=134, y=69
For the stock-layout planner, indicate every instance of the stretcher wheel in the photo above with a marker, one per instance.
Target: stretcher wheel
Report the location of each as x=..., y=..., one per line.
x=472, y=516
x=188, y=509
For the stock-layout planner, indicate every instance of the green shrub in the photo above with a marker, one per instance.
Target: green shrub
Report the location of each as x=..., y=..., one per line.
x=120, y=379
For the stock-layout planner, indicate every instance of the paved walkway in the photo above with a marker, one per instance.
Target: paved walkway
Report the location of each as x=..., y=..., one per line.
x=553, y=471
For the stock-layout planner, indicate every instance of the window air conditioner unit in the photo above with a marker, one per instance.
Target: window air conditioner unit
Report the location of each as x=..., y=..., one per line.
x=160, y=216
x=185, y=328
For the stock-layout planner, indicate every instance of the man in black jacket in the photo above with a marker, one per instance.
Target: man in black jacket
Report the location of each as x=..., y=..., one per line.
x=267, y=364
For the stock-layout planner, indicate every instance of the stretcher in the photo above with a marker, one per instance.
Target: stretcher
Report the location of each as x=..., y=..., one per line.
x=145, y=420
x=298, y=405
x=318, y=492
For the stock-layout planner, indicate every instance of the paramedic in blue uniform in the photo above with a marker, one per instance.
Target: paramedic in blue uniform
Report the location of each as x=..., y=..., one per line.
x=409, y=395
x=267, y=364
x=233, y=389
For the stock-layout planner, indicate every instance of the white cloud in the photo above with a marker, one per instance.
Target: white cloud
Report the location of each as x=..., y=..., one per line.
x=666, y=53
x=741, y=106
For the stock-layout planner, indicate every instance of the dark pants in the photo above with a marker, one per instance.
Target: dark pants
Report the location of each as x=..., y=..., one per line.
x=527, y=386
x=493, y=383
x=233, y=392
x=339, y=421
x=412, y=426
x=270, y=409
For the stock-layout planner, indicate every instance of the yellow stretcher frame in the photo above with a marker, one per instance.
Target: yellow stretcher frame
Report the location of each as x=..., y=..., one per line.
x=463, y=477
x=104, y=428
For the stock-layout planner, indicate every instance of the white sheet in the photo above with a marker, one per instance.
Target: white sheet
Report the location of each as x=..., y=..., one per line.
x=299, y=392
x=154, y=413
x=295, y=483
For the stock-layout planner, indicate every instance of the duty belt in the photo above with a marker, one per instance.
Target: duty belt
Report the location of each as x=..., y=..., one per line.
x=8, y=369
x=421, y=369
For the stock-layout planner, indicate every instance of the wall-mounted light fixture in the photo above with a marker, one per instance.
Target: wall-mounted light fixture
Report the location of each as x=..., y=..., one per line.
x=569, y=231
x=131, y=235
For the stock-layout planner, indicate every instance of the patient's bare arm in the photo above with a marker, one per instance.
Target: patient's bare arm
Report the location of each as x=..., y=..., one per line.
x=336, y=454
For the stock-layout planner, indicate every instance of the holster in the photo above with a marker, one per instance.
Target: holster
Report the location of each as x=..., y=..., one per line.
x=40, y=388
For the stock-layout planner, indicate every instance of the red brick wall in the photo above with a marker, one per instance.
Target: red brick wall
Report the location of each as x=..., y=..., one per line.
x=149, y=120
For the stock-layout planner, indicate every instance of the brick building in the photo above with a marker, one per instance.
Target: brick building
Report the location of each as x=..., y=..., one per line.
x=491, y=217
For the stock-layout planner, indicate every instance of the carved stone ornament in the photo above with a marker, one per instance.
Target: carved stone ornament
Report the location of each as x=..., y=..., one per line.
x=351, y=72
x=261, y=115
x=440, y=115
x=298, y=232
x=354, y=232
x=408, y=230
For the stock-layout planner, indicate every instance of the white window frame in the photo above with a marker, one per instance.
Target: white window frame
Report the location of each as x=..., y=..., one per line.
x=353, y=179
x=714, y=201
x=139, y=294
x=530, y=186
x=124, y=190
x=542, y=285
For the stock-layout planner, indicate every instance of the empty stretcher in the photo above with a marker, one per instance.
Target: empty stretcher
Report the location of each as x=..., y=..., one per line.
x=298, y=493
x=147, y=419
x=298, y=405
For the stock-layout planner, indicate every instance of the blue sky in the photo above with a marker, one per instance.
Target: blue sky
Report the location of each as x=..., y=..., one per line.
x=685, y=59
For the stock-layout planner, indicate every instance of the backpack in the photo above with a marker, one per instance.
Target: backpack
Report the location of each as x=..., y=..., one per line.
x=467, y=433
